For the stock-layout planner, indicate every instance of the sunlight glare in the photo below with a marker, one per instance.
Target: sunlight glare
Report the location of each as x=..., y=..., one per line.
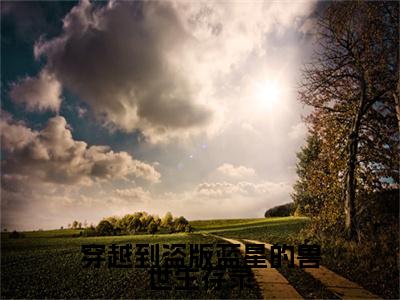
x=268, y=94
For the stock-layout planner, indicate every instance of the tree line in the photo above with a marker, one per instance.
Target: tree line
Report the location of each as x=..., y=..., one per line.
x=349, y=168
x=139, y=222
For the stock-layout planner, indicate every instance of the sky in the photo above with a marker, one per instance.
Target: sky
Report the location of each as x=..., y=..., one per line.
x=108, y=108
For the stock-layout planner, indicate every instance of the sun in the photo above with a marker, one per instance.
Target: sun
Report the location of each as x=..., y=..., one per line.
x=268, y=93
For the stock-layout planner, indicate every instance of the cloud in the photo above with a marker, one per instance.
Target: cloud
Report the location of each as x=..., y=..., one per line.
x=137, y=193
x=52, y=155
x=236, y=172
x=120, y=59
x=243, y=188
x=16, y=136
x=225, y=200
x=166, y=68
x=249, y=128
x=38, y=93
x=216, y=190
x=170, y=70
x=26, y=205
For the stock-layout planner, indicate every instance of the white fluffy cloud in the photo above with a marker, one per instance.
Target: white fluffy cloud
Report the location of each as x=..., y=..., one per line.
x=52, y=155
x=136, y=193
x=243, y=188
x=47, y=171
x=14, y=135
x=236, y=172
x=38, y=93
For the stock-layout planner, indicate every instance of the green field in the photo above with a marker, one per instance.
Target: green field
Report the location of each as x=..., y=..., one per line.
x=47, y=264
x=50, y=267
x=271, y=230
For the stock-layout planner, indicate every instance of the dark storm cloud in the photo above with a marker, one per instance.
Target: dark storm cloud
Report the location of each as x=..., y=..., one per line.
x=122, y=60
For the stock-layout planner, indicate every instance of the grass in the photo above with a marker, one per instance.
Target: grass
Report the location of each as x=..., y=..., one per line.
x=272, y=230
x=48, y=233
x=373, y=264
x=45, y=265
x=361, y=263
x=222, y=222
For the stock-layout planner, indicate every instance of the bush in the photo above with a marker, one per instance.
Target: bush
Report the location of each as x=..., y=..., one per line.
x=180, y=224
x=284, y=210
x=16, y=235
x=105, y=228
x=152, y=228
x=372, y=259
x=188, y=228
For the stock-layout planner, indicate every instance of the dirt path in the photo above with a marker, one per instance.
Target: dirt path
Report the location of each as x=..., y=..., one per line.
x=273, y=284
x=337, y=284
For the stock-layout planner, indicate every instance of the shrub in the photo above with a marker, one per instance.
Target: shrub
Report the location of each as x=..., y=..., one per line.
x=188, y=228
x=284, y=210
x=16, y=235
x=152, y=228
x=105, y=228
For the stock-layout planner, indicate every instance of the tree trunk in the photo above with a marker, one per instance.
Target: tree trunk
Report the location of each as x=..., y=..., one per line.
x=396, y=96
x=350, y=198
